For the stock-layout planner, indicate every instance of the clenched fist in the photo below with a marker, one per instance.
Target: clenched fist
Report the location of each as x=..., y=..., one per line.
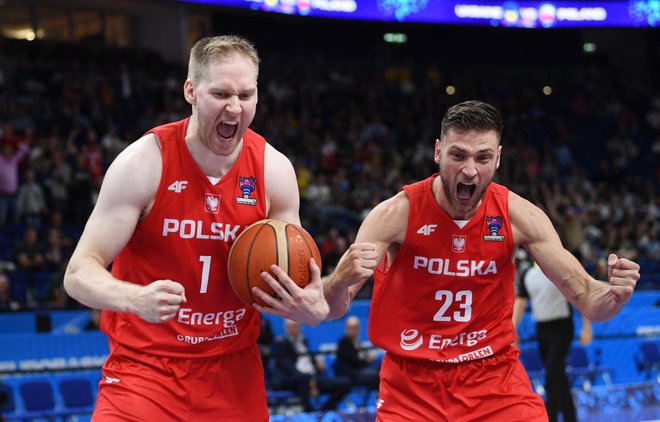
x=159, y=301
x=623, y=275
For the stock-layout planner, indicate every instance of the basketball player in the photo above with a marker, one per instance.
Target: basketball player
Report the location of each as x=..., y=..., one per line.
x=182, y=345
x=442, y=253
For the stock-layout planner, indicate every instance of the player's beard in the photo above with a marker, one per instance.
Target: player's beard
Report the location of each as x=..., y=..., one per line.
x=461, y=210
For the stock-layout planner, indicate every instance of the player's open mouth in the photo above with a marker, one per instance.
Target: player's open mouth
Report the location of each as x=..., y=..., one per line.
x=465, y=190
x=227, y=130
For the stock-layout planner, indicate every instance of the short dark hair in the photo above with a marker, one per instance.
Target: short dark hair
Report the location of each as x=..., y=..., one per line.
x=472, y=115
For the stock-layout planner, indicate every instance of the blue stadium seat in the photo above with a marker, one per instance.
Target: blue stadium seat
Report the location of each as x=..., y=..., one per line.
x=18, y=289
x=578, y=367
x=531, y=360
x=38, y=399
x=40, y=282
x=649, y=360
x=77, y=395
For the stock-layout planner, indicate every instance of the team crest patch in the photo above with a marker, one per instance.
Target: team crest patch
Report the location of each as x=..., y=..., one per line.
x=247, y=185
x=494, y=225
x=212, y=203
x=458, y=243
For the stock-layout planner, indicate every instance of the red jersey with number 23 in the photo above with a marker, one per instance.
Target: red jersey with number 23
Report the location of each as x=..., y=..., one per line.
x=448, y=294
x=186, y=238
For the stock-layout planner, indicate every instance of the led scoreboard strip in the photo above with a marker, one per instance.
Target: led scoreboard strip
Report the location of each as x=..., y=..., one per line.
x=522, y=14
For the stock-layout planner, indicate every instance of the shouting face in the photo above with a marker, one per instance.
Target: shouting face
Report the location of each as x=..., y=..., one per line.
x=468, y=160
x=224, y=102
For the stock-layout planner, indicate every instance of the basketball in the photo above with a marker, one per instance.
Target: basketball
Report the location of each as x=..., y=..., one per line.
x=263, y=244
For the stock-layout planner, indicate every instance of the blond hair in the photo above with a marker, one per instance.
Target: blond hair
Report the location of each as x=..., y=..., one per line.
x=218, y=48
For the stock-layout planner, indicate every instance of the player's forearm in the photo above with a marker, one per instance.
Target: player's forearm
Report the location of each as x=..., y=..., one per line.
x=598, y=303
x=337, y=296
x=91, y=284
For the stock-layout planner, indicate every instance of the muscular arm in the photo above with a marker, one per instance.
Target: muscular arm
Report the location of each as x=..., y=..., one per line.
x=129, y=186
x=383, y=231
x=281, y=187
x=598, y=301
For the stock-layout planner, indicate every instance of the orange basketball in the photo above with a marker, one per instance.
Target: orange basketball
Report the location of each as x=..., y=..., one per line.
x=263, y=244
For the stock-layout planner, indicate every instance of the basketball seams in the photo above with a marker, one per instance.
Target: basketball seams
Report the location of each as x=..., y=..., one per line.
x=249, y=257
x=279, y=244
x=310, y=251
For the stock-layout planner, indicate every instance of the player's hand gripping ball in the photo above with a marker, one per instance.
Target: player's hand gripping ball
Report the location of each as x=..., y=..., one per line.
x=263, y=244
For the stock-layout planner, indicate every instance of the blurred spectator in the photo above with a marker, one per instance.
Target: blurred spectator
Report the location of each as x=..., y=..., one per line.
x=10, y=157
x=93, y=156
x=31, y=200
x=59, y=248
x=355, y=361
x=296, y=368
x=57, y=297
x=30, y=252
x=330, y=246
x=6, y=302
x=318, y=191
x=57, y=182
x=112, y=144
x=81, y=190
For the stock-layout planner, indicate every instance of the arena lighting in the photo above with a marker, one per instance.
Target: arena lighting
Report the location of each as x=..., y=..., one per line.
x=395, y=38
x=589, y=47
x=20, y=34
x=547, y=90
x=520, y=14
x=450, y=90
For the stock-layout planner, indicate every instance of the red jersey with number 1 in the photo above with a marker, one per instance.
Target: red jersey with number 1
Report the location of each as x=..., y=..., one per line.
x=448, y=295
x=186, y=238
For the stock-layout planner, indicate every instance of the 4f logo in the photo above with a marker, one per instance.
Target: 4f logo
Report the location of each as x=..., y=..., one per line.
x=427, y=229
x=178, y=186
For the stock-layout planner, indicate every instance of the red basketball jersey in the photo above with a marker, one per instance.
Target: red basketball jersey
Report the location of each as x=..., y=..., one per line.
x=186, y=238
x=448, y=295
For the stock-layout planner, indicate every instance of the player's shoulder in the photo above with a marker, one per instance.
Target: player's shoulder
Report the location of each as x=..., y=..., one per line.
x=145, y=148
x=276, y=160
x=529, y=222
x=140, y=160
x=521, y=207
x=395, y=208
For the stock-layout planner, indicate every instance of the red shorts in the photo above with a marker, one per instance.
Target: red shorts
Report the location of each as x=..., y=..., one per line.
x=142, y=387
x=490, y=389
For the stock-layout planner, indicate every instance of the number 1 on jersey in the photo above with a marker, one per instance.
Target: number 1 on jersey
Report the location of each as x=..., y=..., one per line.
x=206, y=269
